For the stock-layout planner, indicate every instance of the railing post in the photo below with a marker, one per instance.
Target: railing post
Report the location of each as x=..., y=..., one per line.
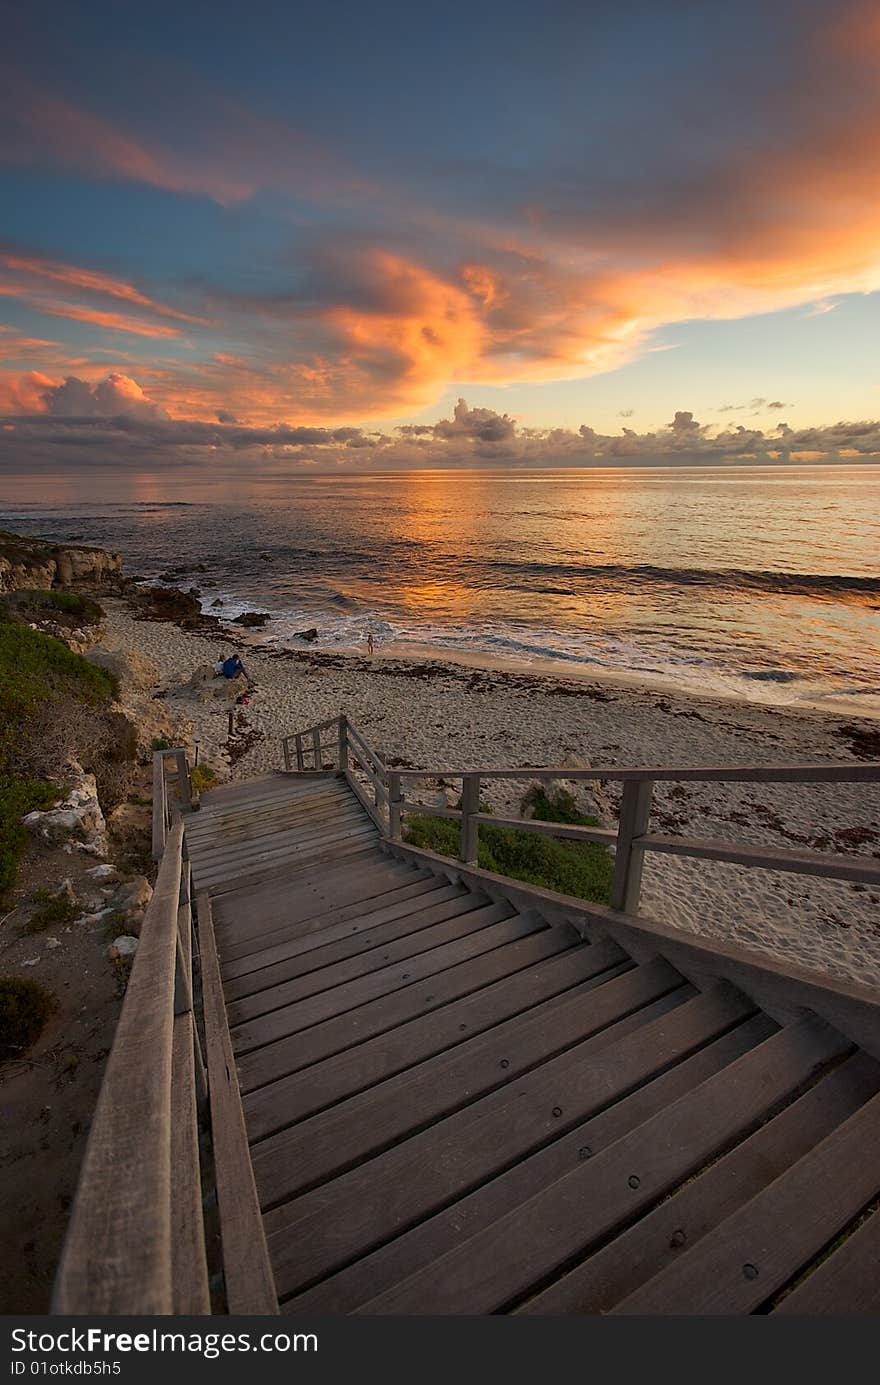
x=395, y=802
x=183, y=781
x=159, y=818
x=343, y=744
x=300, y=764
x=316, y=748
x=285, y=747
x=380, y=795
x=470, y=804
x=635, y=814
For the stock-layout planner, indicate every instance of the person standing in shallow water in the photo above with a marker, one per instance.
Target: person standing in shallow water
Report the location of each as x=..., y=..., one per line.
x=370, y=644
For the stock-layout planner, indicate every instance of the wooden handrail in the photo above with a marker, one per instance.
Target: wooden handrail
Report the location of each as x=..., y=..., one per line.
x=867, y=772
x=135, y=1243
x=631, y=839
x=117, y=1255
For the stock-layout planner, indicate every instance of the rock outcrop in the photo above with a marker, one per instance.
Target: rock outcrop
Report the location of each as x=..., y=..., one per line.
x=78, y=820
x=35, y=563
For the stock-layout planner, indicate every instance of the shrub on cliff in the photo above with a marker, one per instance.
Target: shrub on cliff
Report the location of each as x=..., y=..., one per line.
x=53, y=705
x=17, y=797
x=62, y=607
x=25, y=1006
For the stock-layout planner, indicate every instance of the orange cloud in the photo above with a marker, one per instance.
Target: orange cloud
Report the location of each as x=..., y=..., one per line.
x=90, y=280
x=24, y=394
x=77, y=312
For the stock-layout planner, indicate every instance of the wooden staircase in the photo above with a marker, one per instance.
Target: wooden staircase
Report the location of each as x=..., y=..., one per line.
x=452, y=1105
x=431, y=1089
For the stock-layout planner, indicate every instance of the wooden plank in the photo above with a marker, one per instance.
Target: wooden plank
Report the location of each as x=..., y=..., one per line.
x=117, y=1252
x=331, y=1225
x=254, y=816
x=370, y=930
x=189, y=1267
x=336, y=923
x=566, y=831
x=291, y=858
x=505, y=1261
x=262, y=817
x=324, y=1084
x=337, y=986
x=847, y=772
x=380, y=1016
x=368, y=1277
x=337, y=962
x=663, y=1236
x=276, y=921
x=754, y=1252
x=293, y=869
x=234, y=847
x=250, y=1284
x=350, y=1133
x=846, y=1284
x=305, y=898
x=829, y=865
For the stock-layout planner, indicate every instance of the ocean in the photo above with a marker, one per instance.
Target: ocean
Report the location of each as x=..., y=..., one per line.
x=760, y=582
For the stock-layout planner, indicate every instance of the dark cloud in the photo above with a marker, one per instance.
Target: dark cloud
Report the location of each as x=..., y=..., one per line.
x=112, y=425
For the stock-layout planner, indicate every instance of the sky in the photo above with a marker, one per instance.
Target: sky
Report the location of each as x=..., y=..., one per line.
x=287, y=236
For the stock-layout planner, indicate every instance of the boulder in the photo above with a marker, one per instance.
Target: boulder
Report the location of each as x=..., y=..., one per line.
x=122, y=947
x=105, y=873
x=252, y=619
x=311, y=635
x=209, y=686
x=218, y=602
x=132, y=895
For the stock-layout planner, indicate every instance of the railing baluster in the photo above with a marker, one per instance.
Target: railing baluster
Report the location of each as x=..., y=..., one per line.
x=343, y=744
x=470, y=806
x=395, y=803
x=285, y=746
x=635, y=814
x=300, y=765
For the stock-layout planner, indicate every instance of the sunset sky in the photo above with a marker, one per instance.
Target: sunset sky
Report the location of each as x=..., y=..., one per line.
x=303, y=234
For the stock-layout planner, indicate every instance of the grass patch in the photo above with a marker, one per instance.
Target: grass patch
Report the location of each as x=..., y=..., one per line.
x=203, y=777
x=160, y=743
x=17, y=797
x=52, y=911
x=36, y=669
x=25, y=1006
x=32, y=602
x=580, y=869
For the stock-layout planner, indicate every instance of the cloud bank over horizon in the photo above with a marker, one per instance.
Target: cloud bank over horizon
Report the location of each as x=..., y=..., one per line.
x=113, y=425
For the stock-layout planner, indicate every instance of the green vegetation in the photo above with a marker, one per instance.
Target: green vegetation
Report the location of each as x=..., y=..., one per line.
x=581, y=869
x=203, y=777
x=25, y=1006
x=32, y=603
x=53, y=910
x=52, y=705
x=160, y=743
x=36, y=669
x=17, y=797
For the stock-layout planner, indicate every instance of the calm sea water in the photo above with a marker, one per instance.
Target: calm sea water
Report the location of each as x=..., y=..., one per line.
x=763, y=582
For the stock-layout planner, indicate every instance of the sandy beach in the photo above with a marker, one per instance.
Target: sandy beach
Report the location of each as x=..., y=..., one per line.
x=436, y=713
